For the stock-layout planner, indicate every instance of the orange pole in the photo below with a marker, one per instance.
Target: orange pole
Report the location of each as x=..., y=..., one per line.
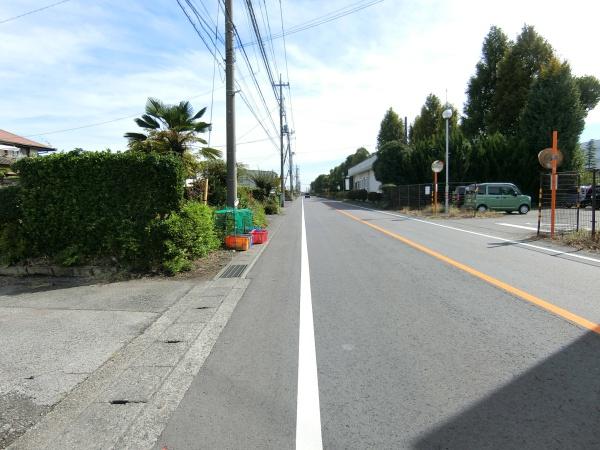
x=435, y=192
x=553, y=181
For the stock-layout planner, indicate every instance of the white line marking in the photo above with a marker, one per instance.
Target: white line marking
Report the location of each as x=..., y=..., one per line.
x=308, y=412
x=516, y=226
x=550, y=251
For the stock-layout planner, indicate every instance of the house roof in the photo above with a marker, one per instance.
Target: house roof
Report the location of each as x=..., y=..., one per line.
x=367, y=164
x=21, y=142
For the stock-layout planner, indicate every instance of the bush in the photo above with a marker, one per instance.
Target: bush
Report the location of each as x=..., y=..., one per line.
x=272, y=207
x=175, y=241
x=259, y=216
x=96, y=204
x=358, y=194
x=374, y=196
x=342, y=195
x=10, y=205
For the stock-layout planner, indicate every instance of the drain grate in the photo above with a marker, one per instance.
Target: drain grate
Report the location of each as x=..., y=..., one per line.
x=234, y=271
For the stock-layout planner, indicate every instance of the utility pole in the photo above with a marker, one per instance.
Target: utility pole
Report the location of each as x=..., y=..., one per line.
x=280, y=86
x=230, y=107
x=297, y=179
x=289, y=149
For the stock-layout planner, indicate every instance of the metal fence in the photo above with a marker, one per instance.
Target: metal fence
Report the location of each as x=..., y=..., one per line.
x=576, y=207
x=422, y=196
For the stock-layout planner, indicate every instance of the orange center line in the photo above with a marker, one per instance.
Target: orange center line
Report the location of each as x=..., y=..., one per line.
x=557, y=310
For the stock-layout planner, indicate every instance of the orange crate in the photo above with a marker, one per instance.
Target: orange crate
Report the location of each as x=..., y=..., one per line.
x=237, y=242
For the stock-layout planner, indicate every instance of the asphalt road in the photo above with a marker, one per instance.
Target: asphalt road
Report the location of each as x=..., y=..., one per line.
x=427, y=335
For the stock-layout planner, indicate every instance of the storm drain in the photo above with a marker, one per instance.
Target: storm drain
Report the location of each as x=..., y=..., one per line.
x=234, y=271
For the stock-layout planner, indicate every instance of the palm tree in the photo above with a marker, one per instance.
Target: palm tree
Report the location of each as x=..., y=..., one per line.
x=172, y=128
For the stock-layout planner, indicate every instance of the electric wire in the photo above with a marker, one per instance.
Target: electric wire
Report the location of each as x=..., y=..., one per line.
x=10, y=19
x=320, y=20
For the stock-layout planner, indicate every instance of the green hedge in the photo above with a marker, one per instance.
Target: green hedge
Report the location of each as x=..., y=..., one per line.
x=10, y=208
x=358, y=194
x=96, y=204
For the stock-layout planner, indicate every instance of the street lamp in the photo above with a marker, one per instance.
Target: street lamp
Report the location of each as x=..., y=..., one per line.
x=446, y=115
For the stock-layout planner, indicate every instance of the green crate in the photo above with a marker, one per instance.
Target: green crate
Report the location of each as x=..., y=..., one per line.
x=233, y=220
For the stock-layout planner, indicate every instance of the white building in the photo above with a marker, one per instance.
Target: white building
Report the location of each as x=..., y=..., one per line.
x=363, y=176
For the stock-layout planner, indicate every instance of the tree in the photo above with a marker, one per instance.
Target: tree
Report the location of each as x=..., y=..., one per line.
x=589, y=92
x=482, y=86
x=590, y=156
x=393, y=163
x=517, y=71
x=553, y=104
x=359, y=156
x=320, y=185
x=429, y=122
x=391, y=129
x=172, y=128
x=265, y=181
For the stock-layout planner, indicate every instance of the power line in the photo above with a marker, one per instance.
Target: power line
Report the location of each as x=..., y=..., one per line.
x=320, y=20
x=287, y=72
x=200, y=35
x=90, y=125
x=33, y=11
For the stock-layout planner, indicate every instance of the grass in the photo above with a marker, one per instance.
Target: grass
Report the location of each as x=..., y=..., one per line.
x=582, y=240
x=453, y=213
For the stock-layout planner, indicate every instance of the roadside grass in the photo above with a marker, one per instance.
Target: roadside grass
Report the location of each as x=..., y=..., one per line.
x=582, y=240
x=453, y=213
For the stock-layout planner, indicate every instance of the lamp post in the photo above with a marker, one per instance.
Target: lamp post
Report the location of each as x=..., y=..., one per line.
x=446, y=115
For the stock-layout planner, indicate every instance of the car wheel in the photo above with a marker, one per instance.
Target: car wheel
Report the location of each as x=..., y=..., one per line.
x=523, y=209
x=481, y=208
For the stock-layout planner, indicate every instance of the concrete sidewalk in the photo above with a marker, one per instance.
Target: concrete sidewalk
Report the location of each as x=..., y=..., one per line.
x=81, y=365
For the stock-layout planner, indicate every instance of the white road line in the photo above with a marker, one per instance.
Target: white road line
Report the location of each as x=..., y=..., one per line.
x=516, y=226
x=308, y=413
x=550, y=251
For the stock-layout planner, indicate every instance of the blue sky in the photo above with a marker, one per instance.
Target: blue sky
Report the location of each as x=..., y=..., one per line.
x=86, y=61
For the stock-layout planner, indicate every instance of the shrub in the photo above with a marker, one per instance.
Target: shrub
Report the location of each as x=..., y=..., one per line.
x=272, y=206
x=358, y=194
x=173, y=242
x=10, y=207
x=374, y=196
x=96, y=203
x=259, y=217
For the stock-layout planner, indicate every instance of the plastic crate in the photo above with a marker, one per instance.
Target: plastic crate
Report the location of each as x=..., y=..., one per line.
x=259, y=236
x=237, y=242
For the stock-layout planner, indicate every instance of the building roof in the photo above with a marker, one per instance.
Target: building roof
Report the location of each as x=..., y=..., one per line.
x=21, y=142
x=367, y=164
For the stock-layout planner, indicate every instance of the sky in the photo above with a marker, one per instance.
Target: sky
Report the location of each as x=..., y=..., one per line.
x=95, y=62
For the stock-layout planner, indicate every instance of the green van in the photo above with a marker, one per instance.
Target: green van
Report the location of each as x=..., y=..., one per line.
x=497, y=196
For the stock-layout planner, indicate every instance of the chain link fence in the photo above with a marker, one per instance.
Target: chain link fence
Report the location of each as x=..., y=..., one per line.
x=576, y=207
x=423, y=196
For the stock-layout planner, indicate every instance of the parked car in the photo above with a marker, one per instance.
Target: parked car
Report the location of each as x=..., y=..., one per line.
x=458, y=196
x=587, y=200
x=497, y=196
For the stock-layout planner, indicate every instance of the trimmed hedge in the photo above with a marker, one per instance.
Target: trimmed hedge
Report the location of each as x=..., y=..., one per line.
x=96, y=204
x=374, y=196
x=358, y=194
x=10, y=208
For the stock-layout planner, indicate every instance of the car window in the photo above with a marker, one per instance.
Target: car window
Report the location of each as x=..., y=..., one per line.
x=507, y=190
x=494, y=190
x=481, y=190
